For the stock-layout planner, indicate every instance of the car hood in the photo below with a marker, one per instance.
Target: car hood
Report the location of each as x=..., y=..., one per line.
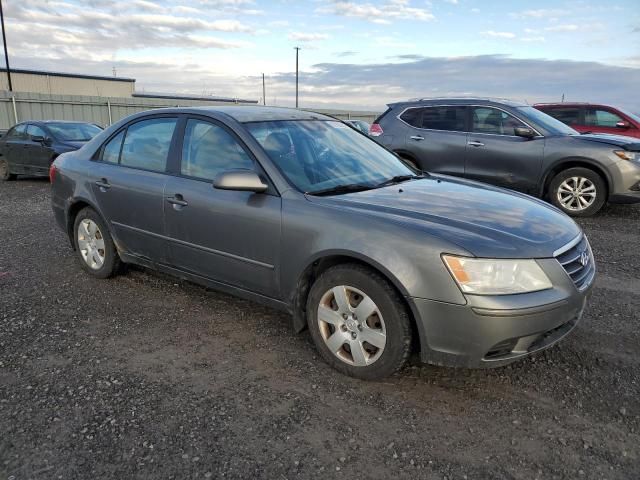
x=628, y=143
x=485, y=221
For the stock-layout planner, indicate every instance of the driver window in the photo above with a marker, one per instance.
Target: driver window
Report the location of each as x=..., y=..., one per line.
x=209, y=150
x=494, y=121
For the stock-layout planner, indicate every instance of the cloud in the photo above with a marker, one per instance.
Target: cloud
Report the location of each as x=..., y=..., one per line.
x=307, y=37
x=563, y=28
x=347, y=53
x=492, y=33
x=530, y=80
x=95, y=30
x=452, y=2
x=383, y=12
x=541, y=13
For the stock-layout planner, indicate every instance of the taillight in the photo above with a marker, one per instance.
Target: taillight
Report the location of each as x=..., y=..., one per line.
x=52, y=172
x=375, y=130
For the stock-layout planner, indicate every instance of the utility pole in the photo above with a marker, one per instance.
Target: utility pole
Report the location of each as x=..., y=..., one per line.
x=264, y=94
x=297, y=50
x=6, y=53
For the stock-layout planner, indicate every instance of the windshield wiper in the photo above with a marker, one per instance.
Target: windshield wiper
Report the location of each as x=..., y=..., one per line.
x=338, y=189
x=398, y=179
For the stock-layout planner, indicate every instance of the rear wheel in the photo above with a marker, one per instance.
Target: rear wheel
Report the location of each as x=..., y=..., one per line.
x=358, y=322
x=94, y=245
x=579, y=192
x=5, y=173
x=410, y=163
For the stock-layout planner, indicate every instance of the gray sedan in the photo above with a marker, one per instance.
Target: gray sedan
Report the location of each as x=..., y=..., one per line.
x=299, y=211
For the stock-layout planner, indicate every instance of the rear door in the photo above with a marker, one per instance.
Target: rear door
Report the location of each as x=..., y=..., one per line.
x=228, y=236
x=15, y=145
x=437, y=137
x=495, y=155
x=37, y=153
x=128, y=183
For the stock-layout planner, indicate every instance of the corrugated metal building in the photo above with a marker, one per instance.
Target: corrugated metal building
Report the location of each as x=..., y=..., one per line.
x=54, y=83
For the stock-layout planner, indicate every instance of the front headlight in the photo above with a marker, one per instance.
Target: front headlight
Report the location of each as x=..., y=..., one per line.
x=482, y=276
x=627, y=155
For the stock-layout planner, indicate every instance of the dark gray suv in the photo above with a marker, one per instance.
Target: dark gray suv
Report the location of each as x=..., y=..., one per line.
x=306, y=214
x=513, y=145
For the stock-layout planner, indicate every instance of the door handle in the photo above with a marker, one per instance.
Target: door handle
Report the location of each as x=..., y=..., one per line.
x=104, y=185
x=475, y=143
x=416, y=137
x=177, y=200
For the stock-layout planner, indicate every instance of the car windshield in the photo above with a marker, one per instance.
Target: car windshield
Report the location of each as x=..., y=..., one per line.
x=74, y=132
x=319, y=155
x=633, y=116
x=550, y=124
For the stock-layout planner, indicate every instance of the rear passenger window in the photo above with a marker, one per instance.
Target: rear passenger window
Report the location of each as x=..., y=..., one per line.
x=146, y=144
x=111, y=151
x=568, y=115
x=209, y=149
x=444, y=118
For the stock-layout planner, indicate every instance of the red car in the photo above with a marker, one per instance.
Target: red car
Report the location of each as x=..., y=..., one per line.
x=588, y=117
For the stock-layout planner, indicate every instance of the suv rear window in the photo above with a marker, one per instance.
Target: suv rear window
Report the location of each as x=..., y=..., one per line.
x=568, y=115
x=412, y=116
x=444, y=118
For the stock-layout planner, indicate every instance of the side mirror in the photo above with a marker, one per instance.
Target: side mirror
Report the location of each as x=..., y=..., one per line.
x=622, y=125
x=241, y=180
x=525, y=132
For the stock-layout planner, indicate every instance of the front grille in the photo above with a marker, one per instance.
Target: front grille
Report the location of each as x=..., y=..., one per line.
x=578, y=262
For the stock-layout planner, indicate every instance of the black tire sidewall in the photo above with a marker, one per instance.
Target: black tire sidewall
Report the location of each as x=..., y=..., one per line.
x=595, y=178
x=111, y=258
x=393, y=310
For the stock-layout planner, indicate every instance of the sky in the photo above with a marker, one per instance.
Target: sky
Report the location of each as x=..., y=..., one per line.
x=357, y=55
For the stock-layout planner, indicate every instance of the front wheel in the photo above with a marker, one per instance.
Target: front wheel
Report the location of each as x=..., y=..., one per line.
x=578, y=192
x=358, y=322
x=5, y=173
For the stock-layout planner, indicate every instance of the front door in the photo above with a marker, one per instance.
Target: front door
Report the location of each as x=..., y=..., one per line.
x=128, y=182
x=437, y=137
x=496, y=155
x=228, y=236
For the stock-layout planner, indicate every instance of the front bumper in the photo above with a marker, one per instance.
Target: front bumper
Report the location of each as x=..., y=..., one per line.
x=625, y=176
x=491, y=331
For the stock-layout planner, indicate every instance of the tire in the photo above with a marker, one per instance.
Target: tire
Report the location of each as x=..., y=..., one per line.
x=96, y=251
x=388, y=326
x=5, y=174
x=410, y=163
x=590, y=188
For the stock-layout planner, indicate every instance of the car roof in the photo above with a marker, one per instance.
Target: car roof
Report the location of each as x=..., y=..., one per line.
x=245, y=114
x=460, y=101
x=572, y=104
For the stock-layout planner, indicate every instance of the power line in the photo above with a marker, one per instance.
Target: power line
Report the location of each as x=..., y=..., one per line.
x=6, y=53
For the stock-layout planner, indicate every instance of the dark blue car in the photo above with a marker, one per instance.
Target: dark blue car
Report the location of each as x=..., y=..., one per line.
x=29, y=147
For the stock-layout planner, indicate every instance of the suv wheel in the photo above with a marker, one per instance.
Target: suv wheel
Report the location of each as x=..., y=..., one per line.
x=94, y=245
x=5, y=173
x=579, y=192
x=358, y=322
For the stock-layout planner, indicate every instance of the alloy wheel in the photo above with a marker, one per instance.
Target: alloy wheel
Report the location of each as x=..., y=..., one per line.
x=91, y=244
x=351, y=326
x=576, y=193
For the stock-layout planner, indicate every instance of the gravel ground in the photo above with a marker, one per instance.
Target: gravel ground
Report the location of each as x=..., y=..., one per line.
x=144, y=376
